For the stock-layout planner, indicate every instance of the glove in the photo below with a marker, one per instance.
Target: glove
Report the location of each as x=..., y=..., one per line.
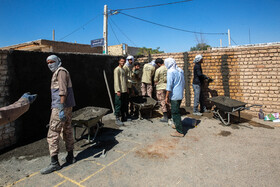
x=210, y=80
x=61, y=115
x=31, y=98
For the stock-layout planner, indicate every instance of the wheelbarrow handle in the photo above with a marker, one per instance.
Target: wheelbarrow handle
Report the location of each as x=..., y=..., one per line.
x=248, y=108
x=245, y=108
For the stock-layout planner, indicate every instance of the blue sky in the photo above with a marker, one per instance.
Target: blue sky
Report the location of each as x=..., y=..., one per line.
x=27, y=20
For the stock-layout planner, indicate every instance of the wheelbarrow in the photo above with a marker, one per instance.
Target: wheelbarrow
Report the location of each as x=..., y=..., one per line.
x=144, y=103
x=87, y=118
x=228, y=106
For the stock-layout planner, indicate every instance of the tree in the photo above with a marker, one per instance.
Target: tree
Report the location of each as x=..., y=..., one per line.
x=201, y=43
x=146, y=51
x=200, y=47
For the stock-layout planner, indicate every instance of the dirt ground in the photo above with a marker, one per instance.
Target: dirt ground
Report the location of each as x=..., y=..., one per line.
x=142, y=153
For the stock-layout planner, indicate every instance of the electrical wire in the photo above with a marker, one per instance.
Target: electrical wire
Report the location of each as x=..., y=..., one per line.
x=80, y=27
x=114, y=32
x=233, y=41
x=166, y=26
x=149, y=6
x=122, y=32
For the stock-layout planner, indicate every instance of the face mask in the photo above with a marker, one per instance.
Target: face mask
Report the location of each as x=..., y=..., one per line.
x=53, y=66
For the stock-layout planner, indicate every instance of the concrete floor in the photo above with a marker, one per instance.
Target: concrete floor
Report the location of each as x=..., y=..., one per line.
x=142, y=153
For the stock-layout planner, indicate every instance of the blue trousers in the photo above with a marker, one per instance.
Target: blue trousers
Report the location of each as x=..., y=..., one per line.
x=198, y=98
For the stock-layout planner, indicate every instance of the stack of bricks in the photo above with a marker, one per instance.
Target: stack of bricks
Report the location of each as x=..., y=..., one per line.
x=7, y=131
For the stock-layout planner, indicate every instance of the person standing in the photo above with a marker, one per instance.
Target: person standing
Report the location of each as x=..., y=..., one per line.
x=174, y=93
x=148, y=73
x=198, y=79
x=128, y=68
x=61, y=116
x=160, y=82
x=121, y=95
x=136, y=77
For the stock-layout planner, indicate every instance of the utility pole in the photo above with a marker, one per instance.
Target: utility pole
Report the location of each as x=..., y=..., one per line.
x=249, y=36
x=53, y=35
x=229, y=43
x=221, y=44
x=105, y=30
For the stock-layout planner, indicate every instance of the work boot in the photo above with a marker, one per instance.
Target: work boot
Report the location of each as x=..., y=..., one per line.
x=54, y=166
x=205, y=111
x=164, y=118
x=118, y=121
x=197, y=113
x=128, y=117
x=69, y=159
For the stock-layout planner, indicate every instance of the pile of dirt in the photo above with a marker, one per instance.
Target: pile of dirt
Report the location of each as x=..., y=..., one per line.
x=160, y=149
x=88, y=113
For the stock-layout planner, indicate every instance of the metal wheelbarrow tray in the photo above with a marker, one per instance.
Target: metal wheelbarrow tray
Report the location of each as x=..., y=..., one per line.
x=87, y=118
x=228, y=106
x=144, y=103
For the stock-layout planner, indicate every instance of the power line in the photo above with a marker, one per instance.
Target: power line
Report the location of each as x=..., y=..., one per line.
x=233, y=41
x=114, y=32
x=122, y=32
x=149, y=6
x=80, y=27
x=166, y=26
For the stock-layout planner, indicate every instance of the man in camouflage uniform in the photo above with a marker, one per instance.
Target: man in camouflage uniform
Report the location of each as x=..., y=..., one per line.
x=61, y=115
x=160, y=82
x=148, y=73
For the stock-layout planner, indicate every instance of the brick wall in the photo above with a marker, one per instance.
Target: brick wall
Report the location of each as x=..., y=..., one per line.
x=7, y=132
x=250, y=74
x=116, y=49
x=56, y=47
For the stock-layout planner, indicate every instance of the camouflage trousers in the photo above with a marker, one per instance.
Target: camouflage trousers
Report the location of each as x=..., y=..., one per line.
x=165, y=107
x=58, y=128
x=147, y=89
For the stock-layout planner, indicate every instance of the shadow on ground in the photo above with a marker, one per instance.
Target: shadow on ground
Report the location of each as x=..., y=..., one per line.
x=105, y=140
x=189, y=123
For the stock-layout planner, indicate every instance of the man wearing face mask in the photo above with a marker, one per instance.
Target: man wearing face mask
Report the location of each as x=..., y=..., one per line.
x=60, y=120
x=128, y=66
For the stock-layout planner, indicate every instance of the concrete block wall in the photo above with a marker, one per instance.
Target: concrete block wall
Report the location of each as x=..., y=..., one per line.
x=7, y=131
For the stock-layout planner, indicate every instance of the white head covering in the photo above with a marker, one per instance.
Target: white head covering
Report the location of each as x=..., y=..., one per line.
x=153, y=62
x=127, y=63
x=170, y=63
x=198, y=58
x=56, y=64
